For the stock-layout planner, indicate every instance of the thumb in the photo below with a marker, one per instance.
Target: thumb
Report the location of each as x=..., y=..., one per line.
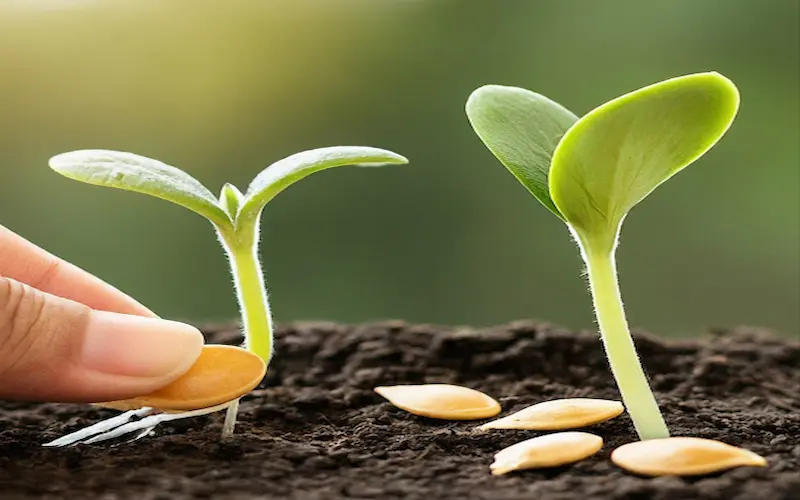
x=54, y=349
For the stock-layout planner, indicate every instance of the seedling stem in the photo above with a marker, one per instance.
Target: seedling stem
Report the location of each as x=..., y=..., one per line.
x=620, y=350
x=251, y=294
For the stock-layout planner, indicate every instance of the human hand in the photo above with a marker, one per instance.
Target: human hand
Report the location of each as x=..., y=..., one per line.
x=66, y=336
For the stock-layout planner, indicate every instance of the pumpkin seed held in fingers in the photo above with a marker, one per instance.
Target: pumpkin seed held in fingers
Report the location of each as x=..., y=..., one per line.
x=682, y=456
x=221, y=373
x=559, y=414
x=551, y=450
x=441, y=401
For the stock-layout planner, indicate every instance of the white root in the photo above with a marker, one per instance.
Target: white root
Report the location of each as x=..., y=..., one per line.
x=99, y=427
x=142, y=434
x=121, y=424
x=230, y=419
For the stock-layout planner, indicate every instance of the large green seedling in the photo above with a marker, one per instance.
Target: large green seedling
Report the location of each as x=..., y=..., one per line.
x=590, y=172
x=235, y=216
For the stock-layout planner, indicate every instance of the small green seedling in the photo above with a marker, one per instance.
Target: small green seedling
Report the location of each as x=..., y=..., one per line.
x=235, y=215
x=590, y=172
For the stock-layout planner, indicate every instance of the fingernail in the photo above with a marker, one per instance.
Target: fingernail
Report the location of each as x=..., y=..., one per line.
x=136, y=346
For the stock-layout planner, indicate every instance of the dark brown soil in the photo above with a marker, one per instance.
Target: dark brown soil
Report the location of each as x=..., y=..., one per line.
x=316, y=430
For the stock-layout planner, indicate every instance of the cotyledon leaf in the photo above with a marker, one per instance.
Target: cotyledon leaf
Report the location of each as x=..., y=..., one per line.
x=281, y=174
x=136, y=173
x=522, y=129
x=617, y=154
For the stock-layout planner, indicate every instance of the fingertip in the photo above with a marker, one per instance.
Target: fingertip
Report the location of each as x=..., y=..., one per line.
x=139, y=347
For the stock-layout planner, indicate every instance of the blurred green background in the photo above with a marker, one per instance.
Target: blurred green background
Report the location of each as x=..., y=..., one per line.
x=223, y=89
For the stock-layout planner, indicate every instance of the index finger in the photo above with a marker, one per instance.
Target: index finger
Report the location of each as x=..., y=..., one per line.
x=25, y=262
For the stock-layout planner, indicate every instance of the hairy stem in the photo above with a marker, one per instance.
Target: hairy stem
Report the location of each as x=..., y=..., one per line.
x=253, y=302
x=620, y=350
x=242, y=249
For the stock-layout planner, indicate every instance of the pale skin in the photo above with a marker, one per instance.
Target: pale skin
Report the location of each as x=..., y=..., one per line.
x=67, y=336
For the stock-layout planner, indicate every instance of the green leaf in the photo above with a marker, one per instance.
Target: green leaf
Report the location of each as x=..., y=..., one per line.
x=616, y=155
x=286, y=172
x=230, y=199
x=521, y=128
x=136, y=173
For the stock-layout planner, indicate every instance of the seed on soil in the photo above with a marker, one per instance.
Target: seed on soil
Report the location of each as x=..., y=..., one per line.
x=559, y=414
x=551, y=450
x=442, y=401
x=682, y=456
x=221, y=373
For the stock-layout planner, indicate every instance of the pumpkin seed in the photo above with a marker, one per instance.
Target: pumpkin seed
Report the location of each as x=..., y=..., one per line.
x=441, y=401
x=559, y=414
x=551, y=450
x=221, y=373
x=682, y=456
